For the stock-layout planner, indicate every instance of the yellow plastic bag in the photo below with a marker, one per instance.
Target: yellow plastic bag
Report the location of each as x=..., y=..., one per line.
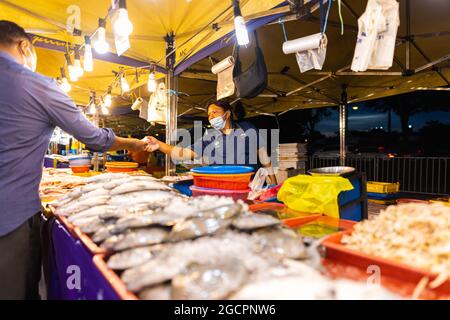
x=314, y=194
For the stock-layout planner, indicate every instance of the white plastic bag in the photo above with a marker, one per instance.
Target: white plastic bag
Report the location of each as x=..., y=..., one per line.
x=256, y=186
x=310, y=51
x=225, y=84
x=370, y=24
x=383, y=52
x=157, y=105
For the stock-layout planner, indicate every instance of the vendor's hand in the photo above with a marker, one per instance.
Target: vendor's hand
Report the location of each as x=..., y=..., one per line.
x=152, y=144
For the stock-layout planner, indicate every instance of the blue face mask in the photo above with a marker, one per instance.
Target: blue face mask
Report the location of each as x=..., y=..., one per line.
x=217, y=123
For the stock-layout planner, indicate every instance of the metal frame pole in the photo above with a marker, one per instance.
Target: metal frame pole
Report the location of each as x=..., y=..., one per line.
x=343, y=126
x=408, y=36
x=172, y=102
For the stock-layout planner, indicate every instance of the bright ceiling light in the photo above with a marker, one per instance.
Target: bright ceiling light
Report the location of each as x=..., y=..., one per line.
x=239, y=25
x=88, y=62
x=151, y=84
x=73, y=72
x=64, y=83
x=108, y=100
x=124, y=84
x=77, y=63
x=100, y=43
x=121, y=23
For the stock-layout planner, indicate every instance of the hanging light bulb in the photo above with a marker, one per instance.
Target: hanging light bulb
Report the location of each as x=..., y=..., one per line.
x=121, y=23
x=77, y=63
x=64, y=83
x=88, y=59
x=100, y=43
x=73, y=72
x=92, y=108
x=124, y=84
x=108, y=99
x=151, y=84
x=103, y=108
x=239, y=25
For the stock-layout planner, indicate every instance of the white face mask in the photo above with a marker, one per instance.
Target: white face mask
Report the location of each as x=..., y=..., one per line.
x=218, y=123
x=30, y=60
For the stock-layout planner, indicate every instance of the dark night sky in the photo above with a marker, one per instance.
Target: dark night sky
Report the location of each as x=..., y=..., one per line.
x=364, y=120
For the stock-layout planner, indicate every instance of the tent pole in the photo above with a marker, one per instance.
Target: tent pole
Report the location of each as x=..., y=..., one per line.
x=172, y=101
x=408, y=36
x=343, y=125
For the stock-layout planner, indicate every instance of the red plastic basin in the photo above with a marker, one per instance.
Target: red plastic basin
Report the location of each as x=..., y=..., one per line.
x=223, y=181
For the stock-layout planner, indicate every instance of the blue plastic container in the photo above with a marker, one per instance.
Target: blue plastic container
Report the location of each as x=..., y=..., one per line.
x=353, y=203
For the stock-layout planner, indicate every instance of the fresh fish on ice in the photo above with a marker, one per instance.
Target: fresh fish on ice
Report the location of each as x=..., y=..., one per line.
x=78, y=206
x=103, y=233
x=209, y=282
x=135, y=186
x=159, y=292
x=106, y=177
x=254, y=221
x=223, y=212
x=158, y=270
x=196, y=227
x=145, y=220
x=129, y=258
x=94, y=226
x=141, y=237
x=110, y=242
x=190, y=207
x=121, y=212
x=147, y=196
x=281, y=242
x=138, y=179
x=94, y=193
x=91, y=212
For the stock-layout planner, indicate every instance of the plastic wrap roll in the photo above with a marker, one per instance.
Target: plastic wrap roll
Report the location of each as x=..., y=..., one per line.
x=303, y=44
x=223, y=65
x=137, y=104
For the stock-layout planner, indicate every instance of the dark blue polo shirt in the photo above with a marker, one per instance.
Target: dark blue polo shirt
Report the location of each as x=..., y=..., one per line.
x=240, y=147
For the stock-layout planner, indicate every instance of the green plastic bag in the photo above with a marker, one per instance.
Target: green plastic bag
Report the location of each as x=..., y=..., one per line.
x=314, y=194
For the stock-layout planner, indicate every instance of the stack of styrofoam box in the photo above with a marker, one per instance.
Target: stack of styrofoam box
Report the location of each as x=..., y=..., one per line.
x=291, y=160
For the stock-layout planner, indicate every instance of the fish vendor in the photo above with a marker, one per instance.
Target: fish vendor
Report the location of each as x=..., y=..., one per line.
x=228, y=142
x=31, y=106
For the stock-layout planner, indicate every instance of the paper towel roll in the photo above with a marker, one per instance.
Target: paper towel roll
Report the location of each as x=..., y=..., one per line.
x=303, y=44
x=222, y=65
x=137, y=104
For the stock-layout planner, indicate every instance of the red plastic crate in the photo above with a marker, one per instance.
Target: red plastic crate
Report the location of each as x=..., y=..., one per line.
x=404, y=277
x=223, y=181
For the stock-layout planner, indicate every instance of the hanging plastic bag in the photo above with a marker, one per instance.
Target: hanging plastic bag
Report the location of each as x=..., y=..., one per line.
x=314, y=194
x=370, y=24
x=225, y=84
x=383, y=52
x=310, y=51
x=157, y=105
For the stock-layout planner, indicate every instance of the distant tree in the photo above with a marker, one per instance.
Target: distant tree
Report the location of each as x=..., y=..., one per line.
x=407, y=105
x=309, y=118
x=433, y=138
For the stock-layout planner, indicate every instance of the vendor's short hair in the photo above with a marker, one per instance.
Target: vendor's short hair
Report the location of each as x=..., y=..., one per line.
x=11, y=32
x=225, y=105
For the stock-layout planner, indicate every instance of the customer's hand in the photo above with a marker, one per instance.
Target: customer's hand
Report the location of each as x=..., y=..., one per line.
x=152, y=144
x=137, y=145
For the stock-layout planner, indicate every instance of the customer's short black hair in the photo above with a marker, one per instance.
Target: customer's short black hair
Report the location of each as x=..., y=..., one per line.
x=11, y=32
